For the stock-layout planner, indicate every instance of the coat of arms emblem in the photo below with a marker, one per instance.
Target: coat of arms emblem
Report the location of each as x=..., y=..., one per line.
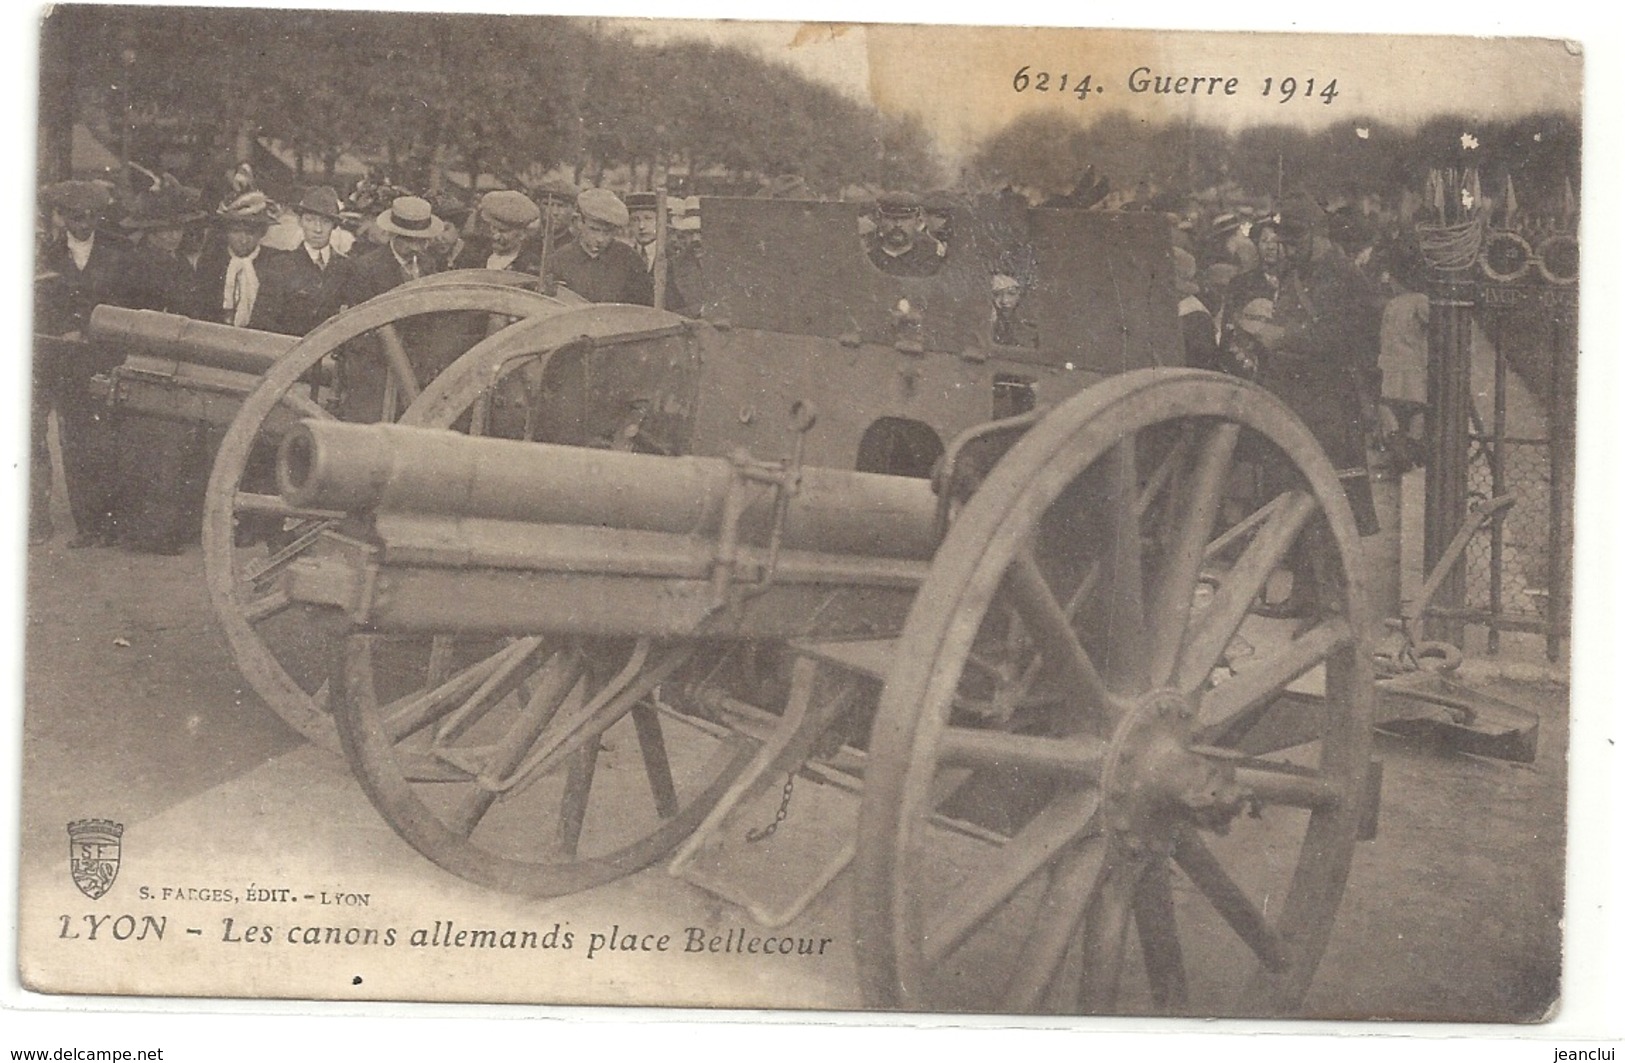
x=93, y=854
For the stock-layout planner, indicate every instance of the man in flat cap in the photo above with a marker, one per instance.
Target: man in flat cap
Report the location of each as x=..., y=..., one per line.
x=301, y=288
x=938, y=209
x=900, y=245
x=508, y=220
x=78, y=270
x=597, y=266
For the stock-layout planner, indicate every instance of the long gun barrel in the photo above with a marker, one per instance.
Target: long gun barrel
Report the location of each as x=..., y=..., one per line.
x=174, y=338
x=448, y=532
x=179, y=369
x=333, y=465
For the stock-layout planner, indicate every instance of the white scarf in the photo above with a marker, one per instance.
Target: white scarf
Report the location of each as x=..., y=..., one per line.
x=242, y=288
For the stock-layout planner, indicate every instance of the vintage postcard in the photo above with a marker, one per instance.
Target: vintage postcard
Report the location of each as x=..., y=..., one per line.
x=815, y=517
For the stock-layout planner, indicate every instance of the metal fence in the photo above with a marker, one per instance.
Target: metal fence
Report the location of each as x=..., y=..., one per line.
x=1520, y=441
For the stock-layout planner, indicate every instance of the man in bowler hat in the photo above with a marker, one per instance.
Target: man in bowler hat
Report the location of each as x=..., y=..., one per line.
x=301, y=288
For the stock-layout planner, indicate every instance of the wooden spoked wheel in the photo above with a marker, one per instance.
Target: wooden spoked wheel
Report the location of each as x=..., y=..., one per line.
x=284, y=651
x=537, y=766
x=1088, y=677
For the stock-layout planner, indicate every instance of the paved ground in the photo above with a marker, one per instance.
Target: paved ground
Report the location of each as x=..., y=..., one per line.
x=135, y=712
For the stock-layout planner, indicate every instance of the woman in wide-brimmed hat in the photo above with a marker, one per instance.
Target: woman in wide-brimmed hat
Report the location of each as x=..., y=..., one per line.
x=229, y=270
x=163, y=279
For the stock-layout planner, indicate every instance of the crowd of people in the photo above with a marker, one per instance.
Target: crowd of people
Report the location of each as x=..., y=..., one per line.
x=138, y=482
x=1311, y=304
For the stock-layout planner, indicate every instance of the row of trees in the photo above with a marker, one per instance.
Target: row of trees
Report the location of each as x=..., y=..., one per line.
x=1350, y=159
x=476, y=94
x=425, y=95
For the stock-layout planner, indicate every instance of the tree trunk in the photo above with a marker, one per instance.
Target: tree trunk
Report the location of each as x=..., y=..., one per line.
x=56, y=106
x=243, y=148
x=437, y=168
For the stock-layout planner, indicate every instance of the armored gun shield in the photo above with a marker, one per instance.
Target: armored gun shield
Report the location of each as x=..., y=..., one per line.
x=1096, y=287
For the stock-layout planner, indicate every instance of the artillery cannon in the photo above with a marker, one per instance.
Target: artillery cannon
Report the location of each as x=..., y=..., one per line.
x=366, y=364
x=927, y=372
x=1080, y=761
x=580, y=649
x=1013, y=593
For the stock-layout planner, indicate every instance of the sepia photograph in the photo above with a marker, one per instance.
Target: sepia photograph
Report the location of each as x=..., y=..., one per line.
x=880, y=521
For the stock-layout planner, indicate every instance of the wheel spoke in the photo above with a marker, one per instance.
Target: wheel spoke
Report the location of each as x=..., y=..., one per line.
x=1123, y=616
x=573, y=809
x=415, y=711
x=656, y=764
x=1242, y=697
x=507, y=677
x=272, y=505
x=1054, y=926
x=595, y=716
x=559, y=677
x=1158, y=927
x=304, y=405
x=1105, y=928
x=1176, y=588
x=1228, y=899
x=400, y=365
x=265, y=606
x=1009, y=868
x=441, y=648
x=1048, y=623
x=1163, y=475
x=1211, y=633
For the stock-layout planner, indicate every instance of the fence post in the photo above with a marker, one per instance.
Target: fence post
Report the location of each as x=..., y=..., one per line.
x=1560, y=513
x=1450, y=333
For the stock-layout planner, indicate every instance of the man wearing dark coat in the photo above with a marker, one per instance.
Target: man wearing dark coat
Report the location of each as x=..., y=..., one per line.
x=686, y=290
x=78, y=270
x=508, y=220
x=598, y=267
x=1311, y=337
x=410, y=225
x=431, y=341
x=163, y=464
x=900, y=245
x=302, y=288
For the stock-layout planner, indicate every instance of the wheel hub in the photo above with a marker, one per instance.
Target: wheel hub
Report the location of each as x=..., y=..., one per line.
x=1154, y=780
